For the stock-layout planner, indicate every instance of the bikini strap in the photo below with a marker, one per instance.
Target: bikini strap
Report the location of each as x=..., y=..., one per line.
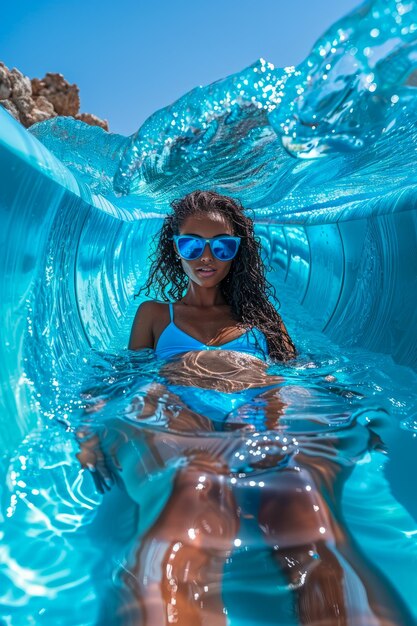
x=171, y=312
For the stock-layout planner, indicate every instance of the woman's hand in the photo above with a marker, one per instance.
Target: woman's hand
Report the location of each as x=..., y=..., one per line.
x=92, y=457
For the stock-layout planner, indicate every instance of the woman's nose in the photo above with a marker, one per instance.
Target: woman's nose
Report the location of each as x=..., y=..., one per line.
x=207, y=253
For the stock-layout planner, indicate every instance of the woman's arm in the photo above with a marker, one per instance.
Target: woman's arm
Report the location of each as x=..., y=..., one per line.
x=141, y=335
x=290, y=347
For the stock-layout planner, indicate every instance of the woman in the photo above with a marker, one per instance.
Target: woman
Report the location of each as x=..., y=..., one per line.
x=196, y=488
x=208, y=250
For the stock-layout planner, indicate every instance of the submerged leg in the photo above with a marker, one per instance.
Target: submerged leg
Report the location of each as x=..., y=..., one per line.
x=333, y=583
x=177, y=571
x=330, y=592
x=318, y=579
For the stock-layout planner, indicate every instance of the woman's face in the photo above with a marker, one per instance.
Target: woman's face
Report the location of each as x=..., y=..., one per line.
x=207, y=226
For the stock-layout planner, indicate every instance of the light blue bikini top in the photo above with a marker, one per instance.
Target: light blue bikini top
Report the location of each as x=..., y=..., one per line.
x=174, y=341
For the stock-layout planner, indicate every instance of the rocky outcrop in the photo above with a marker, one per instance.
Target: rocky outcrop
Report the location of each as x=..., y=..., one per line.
x=35, y=100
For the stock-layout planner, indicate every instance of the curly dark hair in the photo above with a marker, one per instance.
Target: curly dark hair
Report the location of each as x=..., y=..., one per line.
x=245, y=288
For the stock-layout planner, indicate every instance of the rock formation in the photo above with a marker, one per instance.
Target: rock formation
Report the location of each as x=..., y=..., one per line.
x=34, y=100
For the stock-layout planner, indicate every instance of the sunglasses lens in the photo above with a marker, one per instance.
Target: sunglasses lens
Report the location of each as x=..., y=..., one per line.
x=224, y=249
x=190, y=248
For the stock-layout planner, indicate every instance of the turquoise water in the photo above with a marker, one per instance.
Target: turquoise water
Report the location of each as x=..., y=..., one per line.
x=324, y=154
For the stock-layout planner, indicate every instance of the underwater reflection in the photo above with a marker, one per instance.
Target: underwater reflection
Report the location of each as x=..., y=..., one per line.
x=200, y=471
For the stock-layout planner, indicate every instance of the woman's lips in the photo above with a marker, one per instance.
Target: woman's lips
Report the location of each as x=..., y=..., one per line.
x=206, y=272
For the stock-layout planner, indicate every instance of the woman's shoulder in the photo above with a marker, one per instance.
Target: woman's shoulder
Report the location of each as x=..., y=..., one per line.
x=153, y=310
x=149, y=311
x=150, y=315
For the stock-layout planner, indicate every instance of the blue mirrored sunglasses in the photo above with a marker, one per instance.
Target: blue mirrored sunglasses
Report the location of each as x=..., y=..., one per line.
x=191, y=247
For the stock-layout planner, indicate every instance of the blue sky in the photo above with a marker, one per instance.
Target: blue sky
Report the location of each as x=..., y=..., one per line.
x=130, y=58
